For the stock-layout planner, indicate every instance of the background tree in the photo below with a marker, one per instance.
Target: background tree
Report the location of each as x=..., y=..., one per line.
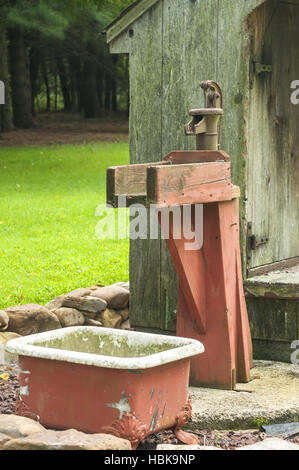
x=5, y=110
x=54, y=52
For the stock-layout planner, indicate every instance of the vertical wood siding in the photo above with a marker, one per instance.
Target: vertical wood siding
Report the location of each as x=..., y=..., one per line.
x=173, y=47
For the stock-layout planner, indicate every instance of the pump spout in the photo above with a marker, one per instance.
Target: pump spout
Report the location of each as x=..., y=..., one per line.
x=206, y=122
x=198, y=125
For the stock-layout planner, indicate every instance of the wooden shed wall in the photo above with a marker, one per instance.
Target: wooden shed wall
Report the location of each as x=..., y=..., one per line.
x=173, y=47
x=273, y=140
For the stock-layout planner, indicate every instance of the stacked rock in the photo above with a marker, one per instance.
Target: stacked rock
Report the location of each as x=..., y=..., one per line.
x=21, y=433
x=4, y=319
x=101, y=306
x=106, y=306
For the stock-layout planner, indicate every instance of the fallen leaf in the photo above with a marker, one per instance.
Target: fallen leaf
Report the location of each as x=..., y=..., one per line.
x=4, y=377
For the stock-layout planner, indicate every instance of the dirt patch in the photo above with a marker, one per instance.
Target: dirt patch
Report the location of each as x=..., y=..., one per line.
x=9, y=388
x=63, y=128
x=227, y=440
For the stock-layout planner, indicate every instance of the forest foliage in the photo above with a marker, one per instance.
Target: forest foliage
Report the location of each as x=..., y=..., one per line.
x=54, y=56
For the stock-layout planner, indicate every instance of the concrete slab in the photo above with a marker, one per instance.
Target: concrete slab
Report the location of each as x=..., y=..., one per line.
x=282, y=284
x=272, y=396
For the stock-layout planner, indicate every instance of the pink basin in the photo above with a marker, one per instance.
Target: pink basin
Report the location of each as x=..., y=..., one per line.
x=100, y=380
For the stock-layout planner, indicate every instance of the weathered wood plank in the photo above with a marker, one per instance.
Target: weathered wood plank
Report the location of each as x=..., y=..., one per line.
x=189, y=184
x=272, y=350
x=131, y=14
x=232, y=66
x=189, y=56
x=268, y=319
x=196, y=156
x=176, y=45
x=129, y=181
x=129, y=17
x=121, y=44
x=273, y=139
x=145, y=146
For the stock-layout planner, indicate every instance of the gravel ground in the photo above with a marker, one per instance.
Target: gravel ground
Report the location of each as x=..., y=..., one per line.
x=9, y=388
x=227, y=440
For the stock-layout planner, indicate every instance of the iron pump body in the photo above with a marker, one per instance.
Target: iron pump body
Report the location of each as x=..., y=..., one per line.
x=206, y=122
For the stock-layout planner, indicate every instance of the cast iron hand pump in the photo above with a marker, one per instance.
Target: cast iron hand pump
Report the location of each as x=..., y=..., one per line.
x=211, y=302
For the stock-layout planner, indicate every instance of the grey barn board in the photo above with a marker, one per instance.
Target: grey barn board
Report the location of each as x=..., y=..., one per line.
x=173, y=46
x=275, y=142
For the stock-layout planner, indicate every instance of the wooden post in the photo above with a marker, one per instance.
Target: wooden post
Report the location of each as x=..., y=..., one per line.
x=211, y=305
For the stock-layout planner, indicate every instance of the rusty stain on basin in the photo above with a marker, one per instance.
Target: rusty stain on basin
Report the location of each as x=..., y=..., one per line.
x=93, y=379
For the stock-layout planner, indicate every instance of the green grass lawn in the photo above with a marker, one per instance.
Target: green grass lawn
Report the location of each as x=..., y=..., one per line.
x=48, y=202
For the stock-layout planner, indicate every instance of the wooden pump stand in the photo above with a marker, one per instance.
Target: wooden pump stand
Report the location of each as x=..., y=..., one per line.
x=211, y=301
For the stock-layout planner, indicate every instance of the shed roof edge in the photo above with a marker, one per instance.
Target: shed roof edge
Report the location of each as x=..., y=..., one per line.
x=127, y=17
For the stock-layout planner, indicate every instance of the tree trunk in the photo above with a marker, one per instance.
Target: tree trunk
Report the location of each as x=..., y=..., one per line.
x=100, y=86
x=20, y=80
x=73, y=91
x=64, y=84
x=107, y=93
x=6, y=123
x=90, y=102
x=55, y=91
x=76, y=83
x=47, y=85
x=34, y=70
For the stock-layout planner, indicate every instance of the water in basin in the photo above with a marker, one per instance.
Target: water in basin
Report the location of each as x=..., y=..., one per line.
x=107, y=344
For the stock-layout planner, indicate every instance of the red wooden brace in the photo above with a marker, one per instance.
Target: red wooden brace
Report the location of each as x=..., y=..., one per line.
x=211, y=302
